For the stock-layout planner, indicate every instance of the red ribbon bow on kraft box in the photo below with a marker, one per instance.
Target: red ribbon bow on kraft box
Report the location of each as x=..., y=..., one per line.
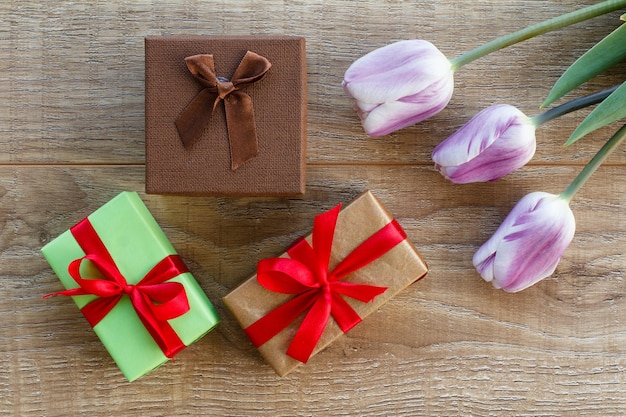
x=347, y=253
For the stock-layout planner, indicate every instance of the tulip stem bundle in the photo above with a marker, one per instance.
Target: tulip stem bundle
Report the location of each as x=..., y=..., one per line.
x=573, y=105
x=538, y=29
x=594, y=164
x=409, y=81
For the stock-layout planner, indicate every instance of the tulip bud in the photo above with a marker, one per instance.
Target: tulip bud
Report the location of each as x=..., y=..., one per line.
x=495, y=142
x=529, y=244
x=399, y=85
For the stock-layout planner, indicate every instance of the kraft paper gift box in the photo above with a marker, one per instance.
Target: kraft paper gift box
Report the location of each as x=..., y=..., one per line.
x=120, y=244
x=219, y=155
x=261, y=310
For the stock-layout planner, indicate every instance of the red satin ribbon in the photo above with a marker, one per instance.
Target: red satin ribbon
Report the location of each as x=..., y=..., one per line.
x=154, y=300
x=317, y=289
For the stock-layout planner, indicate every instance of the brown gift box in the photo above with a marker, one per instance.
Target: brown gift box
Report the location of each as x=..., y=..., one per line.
x=395, y=270
x=204, y=168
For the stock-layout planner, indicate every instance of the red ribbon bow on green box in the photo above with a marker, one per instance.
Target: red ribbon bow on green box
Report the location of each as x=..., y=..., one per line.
x=306, y=275
x=154, y=299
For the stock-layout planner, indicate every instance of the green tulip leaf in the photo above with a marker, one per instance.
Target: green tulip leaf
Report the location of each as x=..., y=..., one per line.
x=611, y=109
x=606, y=53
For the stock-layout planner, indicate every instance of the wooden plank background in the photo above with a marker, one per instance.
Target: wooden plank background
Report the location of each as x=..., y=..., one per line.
x=72, y=137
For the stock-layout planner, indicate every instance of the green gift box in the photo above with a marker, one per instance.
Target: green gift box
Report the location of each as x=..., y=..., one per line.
x=139, y=252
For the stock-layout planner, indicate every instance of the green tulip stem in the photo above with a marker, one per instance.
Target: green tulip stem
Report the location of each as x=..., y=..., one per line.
x=570, y=106
x=593, y=165
x=538, y=29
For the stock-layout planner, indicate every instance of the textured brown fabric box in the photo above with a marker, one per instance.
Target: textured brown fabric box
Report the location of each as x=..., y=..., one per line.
x=396, y=270
x=279, y=101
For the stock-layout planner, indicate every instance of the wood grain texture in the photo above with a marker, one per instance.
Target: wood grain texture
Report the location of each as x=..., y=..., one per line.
x=72, y=137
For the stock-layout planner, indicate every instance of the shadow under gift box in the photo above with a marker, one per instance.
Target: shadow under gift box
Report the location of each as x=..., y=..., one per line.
x=396, y=269
x=204, y=167
x=136, y=244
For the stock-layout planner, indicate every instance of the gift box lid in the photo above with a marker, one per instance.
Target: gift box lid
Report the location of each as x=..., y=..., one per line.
x=204, y=167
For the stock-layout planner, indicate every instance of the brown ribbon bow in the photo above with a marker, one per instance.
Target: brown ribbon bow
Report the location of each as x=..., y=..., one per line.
x=238, y=105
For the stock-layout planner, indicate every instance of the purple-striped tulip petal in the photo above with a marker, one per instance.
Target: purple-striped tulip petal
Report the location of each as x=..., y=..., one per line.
x=495, y=142
x=529, y=244
x=399, y=85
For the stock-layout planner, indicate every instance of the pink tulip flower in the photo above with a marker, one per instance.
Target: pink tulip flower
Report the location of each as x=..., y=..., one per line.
x=495, y=142
x=399, y=85
x=529, y=244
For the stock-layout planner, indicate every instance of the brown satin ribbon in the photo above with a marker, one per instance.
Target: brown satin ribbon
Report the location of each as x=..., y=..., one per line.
x=238, y=105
